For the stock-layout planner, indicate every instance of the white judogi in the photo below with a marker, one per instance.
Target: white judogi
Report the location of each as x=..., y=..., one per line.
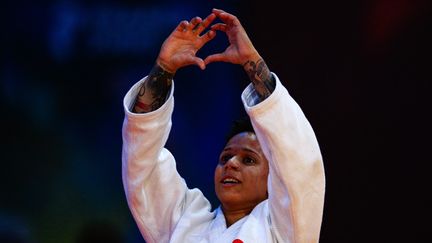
x=165, y=210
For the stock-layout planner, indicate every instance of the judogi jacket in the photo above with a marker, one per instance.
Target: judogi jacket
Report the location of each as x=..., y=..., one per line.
x=166, y=210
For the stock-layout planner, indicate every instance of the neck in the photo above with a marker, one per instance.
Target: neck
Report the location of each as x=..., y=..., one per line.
x=234, y=215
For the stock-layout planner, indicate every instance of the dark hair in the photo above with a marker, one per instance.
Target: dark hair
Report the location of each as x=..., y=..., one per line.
x=240, y=125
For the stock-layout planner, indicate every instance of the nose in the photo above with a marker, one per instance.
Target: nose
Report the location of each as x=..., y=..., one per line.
x=232, y=163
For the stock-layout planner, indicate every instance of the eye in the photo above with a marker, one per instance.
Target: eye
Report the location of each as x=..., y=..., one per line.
x=224, y=158
x=249, y=160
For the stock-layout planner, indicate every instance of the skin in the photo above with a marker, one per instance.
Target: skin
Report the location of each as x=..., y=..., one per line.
x=243, y=161
x=179, y=50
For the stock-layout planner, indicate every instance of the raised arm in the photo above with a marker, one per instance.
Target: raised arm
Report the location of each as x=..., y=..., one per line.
x=296, y=175
x=157, y=195
x=178, y=50
x=241, y=51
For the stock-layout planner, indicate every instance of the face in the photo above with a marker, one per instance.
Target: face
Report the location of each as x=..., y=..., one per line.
x=241, y=174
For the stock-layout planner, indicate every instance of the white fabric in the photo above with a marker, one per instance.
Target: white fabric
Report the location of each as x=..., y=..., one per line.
x=165, y=210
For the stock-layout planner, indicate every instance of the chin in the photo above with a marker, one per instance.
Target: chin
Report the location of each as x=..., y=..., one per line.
x=231, y=201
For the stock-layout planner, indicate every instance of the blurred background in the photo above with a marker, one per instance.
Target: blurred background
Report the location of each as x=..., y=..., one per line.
x=361, y=71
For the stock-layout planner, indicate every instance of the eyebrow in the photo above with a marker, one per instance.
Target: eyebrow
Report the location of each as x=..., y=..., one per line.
x=245, y=149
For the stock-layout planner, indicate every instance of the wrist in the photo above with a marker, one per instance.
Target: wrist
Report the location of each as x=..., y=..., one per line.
x=161, y=72
x=165, y=67
x=252, y=58
x=260, y=76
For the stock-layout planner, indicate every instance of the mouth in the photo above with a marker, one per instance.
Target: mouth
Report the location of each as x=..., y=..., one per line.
x=230, y=181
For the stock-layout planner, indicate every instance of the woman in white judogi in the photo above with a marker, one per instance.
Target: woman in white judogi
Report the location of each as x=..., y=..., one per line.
x=269, y=180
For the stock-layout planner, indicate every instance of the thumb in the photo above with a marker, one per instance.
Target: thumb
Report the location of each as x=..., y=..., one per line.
x=199, y=62
x=219, y=57
x=193, y=60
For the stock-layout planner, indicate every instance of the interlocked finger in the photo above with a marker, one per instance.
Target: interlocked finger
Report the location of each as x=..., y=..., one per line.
x=193, y=23
x=197, y=28
x=227, y=18
x=204, y=24
x=220, y=27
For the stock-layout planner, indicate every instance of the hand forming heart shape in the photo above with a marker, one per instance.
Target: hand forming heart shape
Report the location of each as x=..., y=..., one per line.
x=181, y=46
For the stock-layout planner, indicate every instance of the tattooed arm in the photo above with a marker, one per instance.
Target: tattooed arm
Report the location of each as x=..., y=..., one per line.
x=241, y=51
x=154, y=91
x=261, y=77
x=177, y=51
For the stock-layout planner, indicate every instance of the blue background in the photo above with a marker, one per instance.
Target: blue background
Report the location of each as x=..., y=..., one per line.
x=359, y=69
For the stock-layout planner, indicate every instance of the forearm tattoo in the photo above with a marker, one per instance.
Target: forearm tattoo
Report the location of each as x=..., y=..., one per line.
x=261, y=77
x=154, y=91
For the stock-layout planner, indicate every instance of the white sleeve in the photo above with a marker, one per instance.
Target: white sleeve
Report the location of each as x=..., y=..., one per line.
x=296, y=177
x=156, y=193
